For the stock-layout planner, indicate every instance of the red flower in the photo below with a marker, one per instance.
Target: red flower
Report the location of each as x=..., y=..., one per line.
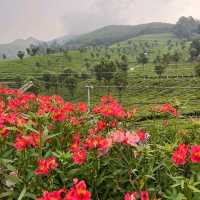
x=11, y=118
x=113, y=124
x=141, y=134
x=45, y=165
x=109, y=108
x=34, y=139
x=76, y=142
x=195, y=157
x=79, y=192
x=52, y=163
x=144, y=195
x=82, y=107
x=58, y=115
x=31, y=140
x=100, y=143
x=91, y=143
x=130, y=196
x=101, y=125
x=4, y=132
x=56, y=195
x=79, y=156
x=168, y=108
x=180, y=155
x=21, y=143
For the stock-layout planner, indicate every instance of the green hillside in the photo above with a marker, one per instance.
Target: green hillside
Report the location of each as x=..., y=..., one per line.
x=144, y=86
x=116, y=33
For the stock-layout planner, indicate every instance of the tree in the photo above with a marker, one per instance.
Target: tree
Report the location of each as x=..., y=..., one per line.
x=109, y=68
x=175, y=57
x=124, y=58
x=69, y=79
x=32, y=51
x=165, y=60
x=197, y=70
x=20, y=54
x=46, y=77
x=120, y=80
x=104, y=70
x=122, y=65
x=28, y=51
x=185, y=27
x=71, y=82
x=157, y=60
x=98, y=70
x=159, y=69
x=194, y=49
x=142, y=59
x=4, y=56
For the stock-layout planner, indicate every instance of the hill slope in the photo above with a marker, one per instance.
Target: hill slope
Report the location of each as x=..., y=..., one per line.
x=116, y=33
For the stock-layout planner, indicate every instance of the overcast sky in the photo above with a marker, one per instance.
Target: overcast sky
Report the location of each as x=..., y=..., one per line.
x=47, y=19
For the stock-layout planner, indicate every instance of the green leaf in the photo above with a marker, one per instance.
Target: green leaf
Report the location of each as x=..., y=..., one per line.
x=12, y=180
x=5, y=194
x=194, y=189
x=29, y=127
x=54, y=135
x=32, y=196
x=22, y=194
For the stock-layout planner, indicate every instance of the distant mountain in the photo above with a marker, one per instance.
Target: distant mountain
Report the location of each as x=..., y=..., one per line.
x=11, y=49
x=62, y=40
x=117, y=33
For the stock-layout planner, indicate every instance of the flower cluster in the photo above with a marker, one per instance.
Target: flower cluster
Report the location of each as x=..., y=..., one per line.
x=168, y=108
x=60, y=111
x=109, y=108
x=77, y=192
x=22, y=142
x=180, y=155
x=46, y=165
x=128, y=138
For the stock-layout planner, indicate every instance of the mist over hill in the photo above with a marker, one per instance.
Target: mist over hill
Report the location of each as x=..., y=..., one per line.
x=116, y=33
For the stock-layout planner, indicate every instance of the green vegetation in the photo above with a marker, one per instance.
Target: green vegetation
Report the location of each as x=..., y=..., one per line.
x=167, y=74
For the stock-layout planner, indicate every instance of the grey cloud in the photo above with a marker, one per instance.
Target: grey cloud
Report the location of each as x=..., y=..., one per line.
x=46, y=19
x=97, y=14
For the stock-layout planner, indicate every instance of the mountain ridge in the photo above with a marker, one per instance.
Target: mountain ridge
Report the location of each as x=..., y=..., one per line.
x=185, y=28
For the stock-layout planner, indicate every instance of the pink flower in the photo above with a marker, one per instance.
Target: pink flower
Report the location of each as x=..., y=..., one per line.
x=118, y=136
x=132, y=139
